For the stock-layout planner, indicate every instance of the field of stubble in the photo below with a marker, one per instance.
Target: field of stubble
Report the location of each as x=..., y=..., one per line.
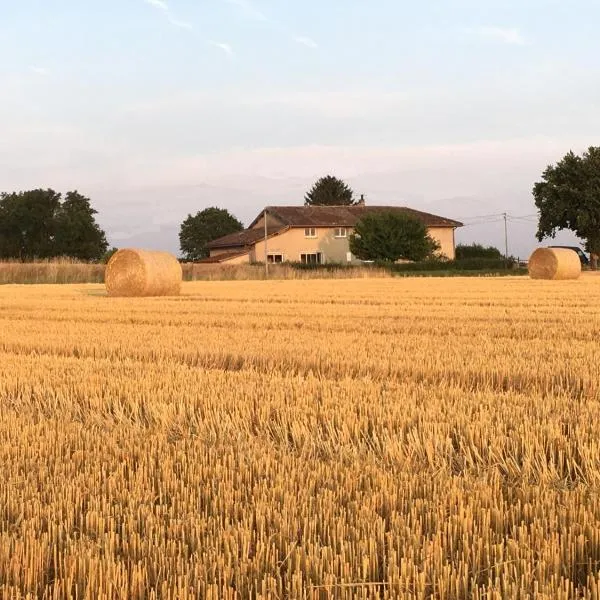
x=413, y=438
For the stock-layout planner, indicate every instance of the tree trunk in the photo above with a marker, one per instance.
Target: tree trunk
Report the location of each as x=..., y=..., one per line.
x=593, y=261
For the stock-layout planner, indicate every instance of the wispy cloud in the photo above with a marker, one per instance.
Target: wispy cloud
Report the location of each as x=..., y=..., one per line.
x=39, y=70
x=249, y=9
x=160, y=4
x=179, y=23
x=305, y=41
x=507, y=35
x=164, y=8
x=222, y=46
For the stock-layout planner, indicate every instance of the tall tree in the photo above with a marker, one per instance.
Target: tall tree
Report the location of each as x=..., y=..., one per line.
x=390, y=236
x=36, y=224
x=568, y=197
x=206, y=226
x=329, y=191
x=77, y=234
x=27, y=224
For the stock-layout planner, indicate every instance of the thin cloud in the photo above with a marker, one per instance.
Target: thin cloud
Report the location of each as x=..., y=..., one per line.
x=179, y=23
x=223, y=46
x=510, y=36
x=305, y=41
x=248, y=9
x=39, y=70
x=162, y=6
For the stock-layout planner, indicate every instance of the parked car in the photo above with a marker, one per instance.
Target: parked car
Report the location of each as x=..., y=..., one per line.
x=585, y=261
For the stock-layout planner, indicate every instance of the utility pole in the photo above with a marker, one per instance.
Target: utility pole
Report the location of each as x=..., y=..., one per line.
x=505, y=237
x=266, y=253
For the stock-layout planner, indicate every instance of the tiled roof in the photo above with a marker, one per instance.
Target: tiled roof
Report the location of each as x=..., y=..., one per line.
x=224, y=256
x=346, y=216
x=242, y=238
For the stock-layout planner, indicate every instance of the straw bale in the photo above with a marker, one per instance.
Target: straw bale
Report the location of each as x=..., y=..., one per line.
x=554, y=263
x=137, y=273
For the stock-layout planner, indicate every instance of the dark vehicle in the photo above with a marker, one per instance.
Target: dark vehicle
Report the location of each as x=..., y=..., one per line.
x=585, y=261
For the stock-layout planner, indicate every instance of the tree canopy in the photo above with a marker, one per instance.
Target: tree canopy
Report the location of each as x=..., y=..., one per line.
x=329, y=191
x=390, y=236
x=568, y=197
x=206, y=226
x=37, y=224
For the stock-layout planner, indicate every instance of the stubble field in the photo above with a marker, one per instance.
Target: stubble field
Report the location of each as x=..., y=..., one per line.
x=412, y=438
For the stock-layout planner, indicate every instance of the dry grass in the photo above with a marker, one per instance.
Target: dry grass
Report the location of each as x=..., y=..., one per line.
x=50, y=271
x=393, y=438
x=67, y=271
x=216, y=272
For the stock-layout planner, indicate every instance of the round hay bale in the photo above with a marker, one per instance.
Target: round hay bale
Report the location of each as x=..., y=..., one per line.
x=554, y=263
x=137, y=273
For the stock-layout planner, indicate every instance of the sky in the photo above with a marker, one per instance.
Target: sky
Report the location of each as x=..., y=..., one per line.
x=156, y=109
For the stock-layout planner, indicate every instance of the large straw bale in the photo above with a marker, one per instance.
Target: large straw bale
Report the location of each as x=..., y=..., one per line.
x=133, y=272
x=554, y=263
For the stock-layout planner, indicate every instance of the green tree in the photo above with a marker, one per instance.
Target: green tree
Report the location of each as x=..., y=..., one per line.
x=329, y=191
x=77, y=235
x=390, y=236
x=206, y=226
x=27, y=224
x=477, y=251
x=568, y=197
x=36, y=224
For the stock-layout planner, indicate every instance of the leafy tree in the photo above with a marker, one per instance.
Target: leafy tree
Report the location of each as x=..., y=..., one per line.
x=329, y=191
x=477, y=251
x=206, y=226
x=568, y=197
x=77, y=234
x=390, y=236
x=27, y=224
x=36, y=224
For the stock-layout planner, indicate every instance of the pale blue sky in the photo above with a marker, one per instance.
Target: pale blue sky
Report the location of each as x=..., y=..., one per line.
x=158, y=108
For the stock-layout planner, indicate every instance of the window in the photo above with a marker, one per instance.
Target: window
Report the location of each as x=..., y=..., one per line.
x=311, y=258
x=348, y=256
x=340, y=232
x=275, y=258
x=310, y=232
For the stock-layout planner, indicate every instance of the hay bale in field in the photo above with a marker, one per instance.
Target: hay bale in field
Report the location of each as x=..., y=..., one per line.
x=137, y=273
x=554, y=263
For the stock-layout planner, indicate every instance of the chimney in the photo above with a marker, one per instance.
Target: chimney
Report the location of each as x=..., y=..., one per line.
x=361, y=202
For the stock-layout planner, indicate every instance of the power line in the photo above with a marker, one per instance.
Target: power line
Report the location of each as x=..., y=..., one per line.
x=535, y=216
x=522, y=220
x=484, y=222
x=481, y=217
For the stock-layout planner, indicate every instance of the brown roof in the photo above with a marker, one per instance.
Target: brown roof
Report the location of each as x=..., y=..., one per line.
x=221, y=257
x=345, y=216
x=242, y=238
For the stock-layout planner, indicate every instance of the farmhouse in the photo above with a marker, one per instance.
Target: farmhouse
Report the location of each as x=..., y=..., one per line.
x=314, y=234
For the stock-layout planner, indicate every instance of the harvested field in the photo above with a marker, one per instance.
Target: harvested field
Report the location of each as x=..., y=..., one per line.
x=377, y=438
